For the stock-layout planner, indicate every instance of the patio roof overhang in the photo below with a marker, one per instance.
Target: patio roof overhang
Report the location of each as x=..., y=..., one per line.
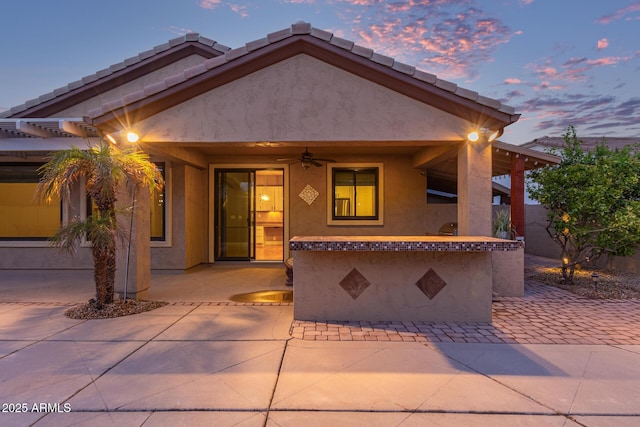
x=22, y=137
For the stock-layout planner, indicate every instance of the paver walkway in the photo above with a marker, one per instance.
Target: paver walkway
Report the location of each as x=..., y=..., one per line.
x=225, y=363
x=546, y=315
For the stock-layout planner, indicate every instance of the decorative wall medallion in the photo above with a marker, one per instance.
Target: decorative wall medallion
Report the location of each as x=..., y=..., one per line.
x=309, y=194
x=430, y=284
x=354, y=283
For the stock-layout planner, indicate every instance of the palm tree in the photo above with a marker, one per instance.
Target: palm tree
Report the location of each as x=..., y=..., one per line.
x=105, y=168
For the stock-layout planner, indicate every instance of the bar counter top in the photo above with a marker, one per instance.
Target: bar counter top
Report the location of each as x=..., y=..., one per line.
x=403, y=243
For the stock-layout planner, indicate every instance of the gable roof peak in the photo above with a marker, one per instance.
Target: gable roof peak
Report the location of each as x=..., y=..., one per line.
x=328, y=47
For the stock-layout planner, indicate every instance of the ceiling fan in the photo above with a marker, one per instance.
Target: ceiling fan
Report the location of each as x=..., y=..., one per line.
x=306, y=159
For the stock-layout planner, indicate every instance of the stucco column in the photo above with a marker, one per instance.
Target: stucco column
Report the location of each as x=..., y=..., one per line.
x=474, y=189
x=133, y=256
x=517, y=193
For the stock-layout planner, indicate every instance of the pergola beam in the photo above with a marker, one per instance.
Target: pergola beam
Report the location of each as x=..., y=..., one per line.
x=32, y=130
x=72, y=128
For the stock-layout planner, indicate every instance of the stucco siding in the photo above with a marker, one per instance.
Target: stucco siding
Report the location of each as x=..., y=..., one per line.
x=300, y=99
x=196, y=231
x=404, y=207
x=173, y=257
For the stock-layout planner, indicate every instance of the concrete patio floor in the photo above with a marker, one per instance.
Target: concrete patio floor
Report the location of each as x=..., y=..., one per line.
x=203, y=360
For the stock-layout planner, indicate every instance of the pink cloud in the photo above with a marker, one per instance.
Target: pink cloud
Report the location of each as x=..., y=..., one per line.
x=512, y=81
x=210, y=4
x=239, y=9
x=444, y=36
x=618, y=14
x=609, y=60
x=603, y=43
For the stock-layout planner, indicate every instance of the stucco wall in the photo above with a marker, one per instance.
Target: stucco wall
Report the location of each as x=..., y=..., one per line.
x=438, y=214
x=196, y=231
x=302, y=99
x=537, y=240
x=405, y=204
x=174, y=257
x=189, y=230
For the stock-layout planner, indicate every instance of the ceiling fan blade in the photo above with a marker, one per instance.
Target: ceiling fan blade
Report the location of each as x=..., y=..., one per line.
x=316, y=164
x=326, y=160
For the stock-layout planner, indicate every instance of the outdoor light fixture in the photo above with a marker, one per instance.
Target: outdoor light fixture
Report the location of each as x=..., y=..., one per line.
x=111, y=139
x=473, y=136
x=495, y=135
x=132, y=136
x=490, y=135
x=595, y=278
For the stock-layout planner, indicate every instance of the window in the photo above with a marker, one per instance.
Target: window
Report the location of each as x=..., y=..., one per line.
x=355, y=194
x=157, y=208
x=23, y=216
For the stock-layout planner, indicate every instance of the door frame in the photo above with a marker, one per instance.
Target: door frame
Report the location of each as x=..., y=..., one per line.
x=212, y=201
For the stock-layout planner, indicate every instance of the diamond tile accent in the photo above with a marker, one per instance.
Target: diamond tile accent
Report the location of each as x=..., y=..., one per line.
x=430, y=284
x=354, y=283
x=309, y=194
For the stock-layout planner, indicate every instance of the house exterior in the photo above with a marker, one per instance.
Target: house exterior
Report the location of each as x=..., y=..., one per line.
x=298, y=133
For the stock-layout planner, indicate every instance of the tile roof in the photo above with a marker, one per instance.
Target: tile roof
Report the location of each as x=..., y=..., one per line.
x=302, y=29
x=128, y=63
x=503, y=114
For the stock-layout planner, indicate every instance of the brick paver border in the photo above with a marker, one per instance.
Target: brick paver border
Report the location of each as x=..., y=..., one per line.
x=545, y=315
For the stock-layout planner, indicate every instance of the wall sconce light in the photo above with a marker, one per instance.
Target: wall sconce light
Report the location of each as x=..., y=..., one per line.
x=473, y=136
x=114, y=138
x=491, y=136
x=132, y=137
x=495, y=135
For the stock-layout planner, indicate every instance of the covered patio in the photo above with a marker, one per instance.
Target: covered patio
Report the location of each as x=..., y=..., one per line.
x=358, y=139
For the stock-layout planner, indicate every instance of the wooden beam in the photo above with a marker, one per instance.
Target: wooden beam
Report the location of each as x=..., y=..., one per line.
x=434, y=155
x=177, y=154
x=517, y=194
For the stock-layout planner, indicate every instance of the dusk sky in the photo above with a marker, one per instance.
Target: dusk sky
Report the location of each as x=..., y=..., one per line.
x=558, y=62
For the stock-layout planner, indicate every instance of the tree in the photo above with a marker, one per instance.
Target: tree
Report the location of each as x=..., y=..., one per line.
x=105, y=169
x=593, y=201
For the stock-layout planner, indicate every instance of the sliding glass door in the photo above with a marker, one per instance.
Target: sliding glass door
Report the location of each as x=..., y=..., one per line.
x=234, y=224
